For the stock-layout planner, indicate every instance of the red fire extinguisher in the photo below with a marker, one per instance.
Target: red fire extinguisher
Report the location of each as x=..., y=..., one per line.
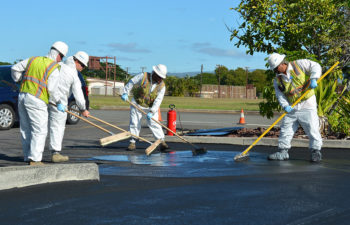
x=171, y=119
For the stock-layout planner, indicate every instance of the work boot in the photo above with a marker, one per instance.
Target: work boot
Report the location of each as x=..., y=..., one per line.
x=316, y=156
x=57, y=157
x=33, y=163
x=281, y=155
x=132, y=146
x=163, y=146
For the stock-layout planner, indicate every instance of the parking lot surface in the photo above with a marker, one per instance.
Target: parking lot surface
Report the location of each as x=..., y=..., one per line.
x=178, y=188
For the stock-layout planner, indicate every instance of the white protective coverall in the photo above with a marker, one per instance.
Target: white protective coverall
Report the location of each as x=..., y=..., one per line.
x=33, y=112
x=304, y=113
x=136, y=115
x=69, y=83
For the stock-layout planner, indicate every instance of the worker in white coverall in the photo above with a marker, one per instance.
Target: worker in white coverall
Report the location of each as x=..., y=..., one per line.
x=292, y=80
x=148, y=91
x=39, y=78
x=69, y=83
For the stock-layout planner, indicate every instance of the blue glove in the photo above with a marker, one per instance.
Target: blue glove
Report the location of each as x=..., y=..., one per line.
x=125, y=97
x=61, y=107
x=149, y=115
x=288, y=109
x=313, y=83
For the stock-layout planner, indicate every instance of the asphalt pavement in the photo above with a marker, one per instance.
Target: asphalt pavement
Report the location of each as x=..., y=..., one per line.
x=177, y=187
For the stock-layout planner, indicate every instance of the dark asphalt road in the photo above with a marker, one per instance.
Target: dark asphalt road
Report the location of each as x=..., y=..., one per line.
x=177, y=188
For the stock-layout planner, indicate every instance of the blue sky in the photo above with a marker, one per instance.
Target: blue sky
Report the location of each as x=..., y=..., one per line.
x=180, y=34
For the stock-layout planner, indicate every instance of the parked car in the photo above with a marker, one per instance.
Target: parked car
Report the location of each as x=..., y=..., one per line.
x=8, y=98
x=73, y=107
x=9, y=91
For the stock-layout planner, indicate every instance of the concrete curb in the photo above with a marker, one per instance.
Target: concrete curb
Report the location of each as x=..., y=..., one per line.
x=248, y=141
x=23, y=176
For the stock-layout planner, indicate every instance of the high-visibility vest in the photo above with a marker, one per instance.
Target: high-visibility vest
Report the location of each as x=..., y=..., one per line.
x=142, y=93
x=36, y=75
x=300, y=82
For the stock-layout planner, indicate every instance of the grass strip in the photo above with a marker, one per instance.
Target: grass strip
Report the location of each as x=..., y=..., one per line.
x=96, y=102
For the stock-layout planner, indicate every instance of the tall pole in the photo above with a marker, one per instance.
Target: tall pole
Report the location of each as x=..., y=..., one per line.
x=115, y=73
x=106, y=75
x=200, y=91
x=127, y=73
x=142, y=68
x=246, y=86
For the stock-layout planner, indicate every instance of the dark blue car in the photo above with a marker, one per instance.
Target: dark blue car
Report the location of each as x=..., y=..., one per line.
x=8, y=99
x=9, y=91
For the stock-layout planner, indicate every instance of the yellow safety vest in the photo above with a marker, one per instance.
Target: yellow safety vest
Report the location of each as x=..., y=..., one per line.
x=36, y=75
x=300, y=82
x=142, y=93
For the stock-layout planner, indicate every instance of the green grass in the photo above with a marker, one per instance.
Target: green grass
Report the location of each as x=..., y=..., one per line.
x=97, y=102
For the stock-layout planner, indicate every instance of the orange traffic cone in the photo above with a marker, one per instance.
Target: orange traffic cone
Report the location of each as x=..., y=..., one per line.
x=241, y=119
x=159, y=115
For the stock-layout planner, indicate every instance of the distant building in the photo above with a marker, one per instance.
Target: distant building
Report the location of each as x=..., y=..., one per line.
x=103, y=87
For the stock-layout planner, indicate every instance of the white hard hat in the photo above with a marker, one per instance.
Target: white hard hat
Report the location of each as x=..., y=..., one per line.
x=160, y=70
x=275, y=59
x=61, y=47
x=83, y=57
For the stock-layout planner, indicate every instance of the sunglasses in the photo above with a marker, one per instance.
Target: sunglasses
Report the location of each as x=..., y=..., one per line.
x=81, y=64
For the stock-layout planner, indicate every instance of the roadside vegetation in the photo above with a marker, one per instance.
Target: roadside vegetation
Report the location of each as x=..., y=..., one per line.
x=312, y=29
x=97, y=102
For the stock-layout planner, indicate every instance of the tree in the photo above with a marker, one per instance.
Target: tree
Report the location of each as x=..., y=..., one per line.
x=5, y=63
x=239, y=77
x=258, y=79
x=121, y=74
x=175, y=86
x=207, y=78
x=272, y=25
x=220, y=72
x=192, y=85
x=314, y=29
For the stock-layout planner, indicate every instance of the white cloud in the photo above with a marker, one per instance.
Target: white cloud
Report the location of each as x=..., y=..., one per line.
x=129, y=47
x=207, y=49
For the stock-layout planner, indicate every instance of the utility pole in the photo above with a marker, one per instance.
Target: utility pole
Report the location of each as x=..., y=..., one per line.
x=142, y=68
x=246, y=86
x=127, y=73
x=200, y=91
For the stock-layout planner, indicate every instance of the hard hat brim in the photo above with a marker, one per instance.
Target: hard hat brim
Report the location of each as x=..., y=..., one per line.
x=159, y=73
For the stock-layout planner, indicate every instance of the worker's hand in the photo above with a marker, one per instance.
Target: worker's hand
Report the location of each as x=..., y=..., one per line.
x=61, y=107
x=125, y=97
x=149, y=115
x=288, y=109
x=313, y=83
x=86, y=113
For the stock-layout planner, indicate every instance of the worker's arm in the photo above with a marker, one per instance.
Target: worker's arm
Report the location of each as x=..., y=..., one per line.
x=135, y=80
x=310, y=67
x=78, y=92
x=52, y=86
x=18, y=69
x=282, y=99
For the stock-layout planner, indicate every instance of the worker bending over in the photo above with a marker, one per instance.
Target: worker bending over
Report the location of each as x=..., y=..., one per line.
x=148, y=92
x=39, y=77
x=292, y=80
x=69, y=83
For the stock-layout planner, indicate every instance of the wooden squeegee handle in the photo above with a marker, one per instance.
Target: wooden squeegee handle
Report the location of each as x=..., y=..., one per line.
x=89, y=122
x=296, y=102
x=102, y=121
